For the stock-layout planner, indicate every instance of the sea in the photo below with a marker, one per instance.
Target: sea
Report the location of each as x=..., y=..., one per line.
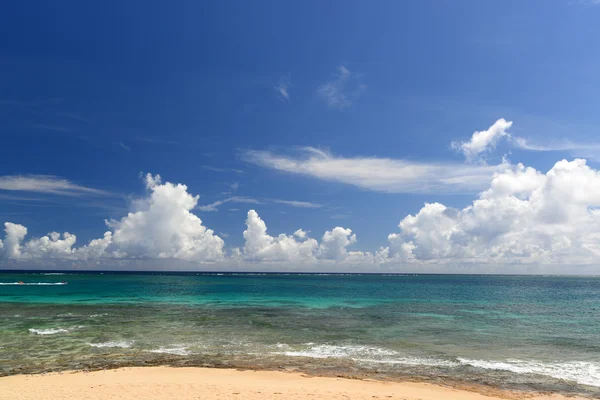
x=529, y=333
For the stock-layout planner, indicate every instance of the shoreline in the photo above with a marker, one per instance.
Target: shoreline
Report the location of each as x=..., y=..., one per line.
x=166, y=382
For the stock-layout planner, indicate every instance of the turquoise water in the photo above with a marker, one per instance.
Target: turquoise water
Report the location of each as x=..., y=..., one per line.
x=518, y=332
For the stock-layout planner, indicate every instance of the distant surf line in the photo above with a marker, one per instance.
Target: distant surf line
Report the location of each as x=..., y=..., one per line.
x=32, y=283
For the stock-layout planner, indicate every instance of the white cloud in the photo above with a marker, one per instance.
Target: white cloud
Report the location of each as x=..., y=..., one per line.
x=333, y=244
x=213, y=207
x=164, y=227
x=12, y=241
x=524, y=217
x=586, y=150
x=523, y=220
x=161, y=226
x=217, y=169
x=46, y=184
x=124, y=146
x=343, y=91
x=299, y=248
x=282, y=88
x=483, y=141
x=380, y=174
x=260, y=246
x=300, y=234
x=299, y=204
x=50, y=246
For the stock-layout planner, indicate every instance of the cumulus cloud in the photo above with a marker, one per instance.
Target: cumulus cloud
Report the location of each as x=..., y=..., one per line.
x=380, y=174
x=483, y=141
x=160, y=226
x=46, y=184
x=300, y=234
x=12, y=241
x=524, y=217
x=164, y=227
x=334, y=243
x=260, y=246
x=342, y=91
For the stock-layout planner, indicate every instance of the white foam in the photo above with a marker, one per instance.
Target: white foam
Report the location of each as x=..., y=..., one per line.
x=179, y=351
x=366, y=354
x=32, y=283
x=582, y=372
x=586, y=373
x=327, y=351
x=123, y=344
x=54, y=331
x=51, y=331
x=98, y=315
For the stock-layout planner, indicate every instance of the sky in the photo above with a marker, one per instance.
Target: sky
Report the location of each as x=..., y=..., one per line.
x=393, y=136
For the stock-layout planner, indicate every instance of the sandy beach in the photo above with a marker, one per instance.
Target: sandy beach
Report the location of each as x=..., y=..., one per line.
x=205, y=383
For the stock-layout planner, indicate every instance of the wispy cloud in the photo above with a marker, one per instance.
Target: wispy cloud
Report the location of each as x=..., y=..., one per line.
x=300, y=204
x=380, y=174
x=155, y=140
x=587, y=150
x=282, y=88
x=46, y=184
x=565, y=145
x=124, y=146
x=213, y=207
x=217, y=169
x=233, y=187
x=343, y=91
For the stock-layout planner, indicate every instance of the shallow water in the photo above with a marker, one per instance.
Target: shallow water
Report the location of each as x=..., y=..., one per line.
x=518, y=332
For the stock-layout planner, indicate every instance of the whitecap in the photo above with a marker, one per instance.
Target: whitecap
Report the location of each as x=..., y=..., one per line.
x=179, y=351
x=586, y=373
x=50, y=331
x=123, y=344
x=54, y=331
x=368, y=355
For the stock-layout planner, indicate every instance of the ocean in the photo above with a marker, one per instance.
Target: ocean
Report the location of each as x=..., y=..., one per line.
x=532, y=333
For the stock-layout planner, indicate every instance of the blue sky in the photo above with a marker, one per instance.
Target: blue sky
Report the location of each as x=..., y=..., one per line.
x=208, y=94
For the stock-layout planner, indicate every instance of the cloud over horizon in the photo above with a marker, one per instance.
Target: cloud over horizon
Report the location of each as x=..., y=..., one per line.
x=523, y=217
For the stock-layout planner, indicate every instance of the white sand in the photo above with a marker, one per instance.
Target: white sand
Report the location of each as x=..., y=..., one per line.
x=205, y=383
